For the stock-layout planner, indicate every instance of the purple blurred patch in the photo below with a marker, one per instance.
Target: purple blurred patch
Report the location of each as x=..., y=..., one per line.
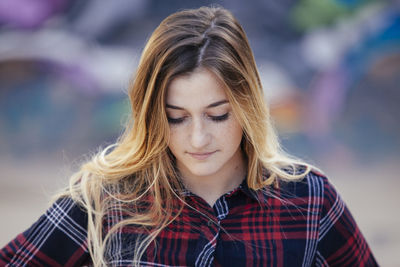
x=29, y=13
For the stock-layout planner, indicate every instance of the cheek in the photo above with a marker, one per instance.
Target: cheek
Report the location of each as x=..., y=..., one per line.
x=237, y=134
x=231, y=134
x=174, y=138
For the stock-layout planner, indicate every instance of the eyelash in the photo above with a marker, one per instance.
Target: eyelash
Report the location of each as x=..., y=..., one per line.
x=213, y=118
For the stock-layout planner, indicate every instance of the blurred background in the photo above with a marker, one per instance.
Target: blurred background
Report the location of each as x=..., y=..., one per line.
x=330, y=71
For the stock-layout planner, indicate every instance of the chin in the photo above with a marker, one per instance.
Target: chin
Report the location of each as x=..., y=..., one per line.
x=203, y=171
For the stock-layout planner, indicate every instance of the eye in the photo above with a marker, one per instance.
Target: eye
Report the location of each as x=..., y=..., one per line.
x=220, y=118
x=175, y=121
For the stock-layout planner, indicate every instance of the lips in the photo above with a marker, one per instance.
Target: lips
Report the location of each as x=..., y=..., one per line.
x=201, y=156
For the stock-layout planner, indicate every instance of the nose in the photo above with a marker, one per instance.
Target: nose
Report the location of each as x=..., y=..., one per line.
x=199, y=135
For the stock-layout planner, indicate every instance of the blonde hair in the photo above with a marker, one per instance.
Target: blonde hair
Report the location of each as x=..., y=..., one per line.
x=137, y=174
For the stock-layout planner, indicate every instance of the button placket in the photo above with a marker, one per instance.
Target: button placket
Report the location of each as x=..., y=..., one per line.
x=221, y=208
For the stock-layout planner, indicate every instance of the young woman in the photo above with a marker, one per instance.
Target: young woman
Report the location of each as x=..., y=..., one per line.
x=198, y=177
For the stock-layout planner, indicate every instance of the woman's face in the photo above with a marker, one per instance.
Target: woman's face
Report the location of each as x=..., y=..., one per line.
x=205, y=136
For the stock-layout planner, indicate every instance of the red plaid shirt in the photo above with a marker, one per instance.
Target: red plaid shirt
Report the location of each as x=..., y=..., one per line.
x=303, y=223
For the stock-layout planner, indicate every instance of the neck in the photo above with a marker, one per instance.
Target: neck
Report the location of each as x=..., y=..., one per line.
x=213, y=186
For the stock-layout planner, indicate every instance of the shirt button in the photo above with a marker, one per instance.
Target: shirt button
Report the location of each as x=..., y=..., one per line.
x=210, y=223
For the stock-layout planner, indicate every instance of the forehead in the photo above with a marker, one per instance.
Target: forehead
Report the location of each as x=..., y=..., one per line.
x=200, y=87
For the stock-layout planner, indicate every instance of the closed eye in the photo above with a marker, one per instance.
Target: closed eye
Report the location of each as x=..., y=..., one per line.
x=220, y=118
x=175, y=121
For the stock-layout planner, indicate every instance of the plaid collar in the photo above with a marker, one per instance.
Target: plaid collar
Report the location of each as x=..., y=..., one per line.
x=243, y=187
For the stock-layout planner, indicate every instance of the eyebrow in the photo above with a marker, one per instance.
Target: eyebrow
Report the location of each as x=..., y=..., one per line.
x=212, y=105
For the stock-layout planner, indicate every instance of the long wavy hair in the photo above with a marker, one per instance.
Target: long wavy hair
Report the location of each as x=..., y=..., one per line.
x=138, y=171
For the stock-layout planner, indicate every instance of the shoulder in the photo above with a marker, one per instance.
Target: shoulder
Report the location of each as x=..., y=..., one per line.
x=313, y=184
x=65, y=221
x=314, y=192
x=63, y=225
x=65, y=208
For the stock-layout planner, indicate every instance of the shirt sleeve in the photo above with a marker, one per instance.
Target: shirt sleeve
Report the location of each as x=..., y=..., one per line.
x=58, y=238
x=340, y=242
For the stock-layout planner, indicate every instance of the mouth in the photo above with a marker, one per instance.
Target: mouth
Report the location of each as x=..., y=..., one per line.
x=201, y=156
